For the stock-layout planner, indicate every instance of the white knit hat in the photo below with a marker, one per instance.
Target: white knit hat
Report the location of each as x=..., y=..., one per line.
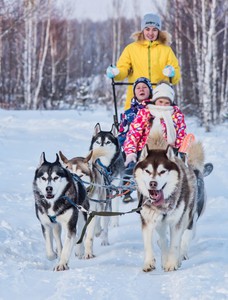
x=164, y=90
x=151, y=20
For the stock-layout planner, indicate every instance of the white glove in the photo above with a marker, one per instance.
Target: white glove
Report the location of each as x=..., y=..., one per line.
x=112, y=71
x=132, y=157
x=169, y=71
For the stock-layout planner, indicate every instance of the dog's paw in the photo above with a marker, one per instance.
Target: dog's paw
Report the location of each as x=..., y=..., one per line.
x=149, y=266
x=79, y=254
x=79, y=251
x=105, y=243
x=61, y=267
x=52, y=256
x=184, y=256
x=171, y=266
x=88, y=255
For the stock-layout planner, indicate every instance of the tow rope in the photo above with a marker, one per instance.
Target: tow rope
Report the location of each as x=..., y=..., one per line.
x=103, y=213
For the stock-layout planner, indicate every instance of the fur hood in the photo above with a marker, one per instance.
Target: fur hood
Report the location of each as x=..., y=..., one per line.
x=164, y=37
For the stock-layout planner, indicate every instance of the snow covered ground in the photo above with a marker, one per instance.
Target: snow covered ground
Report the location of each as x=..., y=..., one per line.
x=116, y=271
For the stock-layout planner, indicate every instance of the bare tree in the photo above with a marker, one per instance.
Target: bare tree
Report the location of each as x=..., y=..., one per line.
x=199, y=28
x=116, y=28
x=224, y=74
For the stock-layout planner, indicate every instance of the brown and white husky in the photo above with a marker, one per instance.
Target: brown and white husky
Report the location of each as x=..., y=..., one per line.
x=170, y=199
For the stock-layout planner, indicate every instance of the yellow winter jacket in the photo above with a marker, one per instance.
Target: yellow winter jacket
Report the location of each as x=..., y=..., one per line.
x=143, y=58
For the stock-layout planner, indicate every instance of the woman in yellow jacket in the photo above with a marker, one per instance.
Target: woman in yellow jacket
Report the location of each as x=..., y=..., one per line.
x=149, y=56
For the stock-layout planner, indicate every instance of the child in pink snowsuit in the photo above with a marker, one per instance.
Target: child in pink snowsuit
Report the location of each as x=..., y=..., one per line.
x=162, y=115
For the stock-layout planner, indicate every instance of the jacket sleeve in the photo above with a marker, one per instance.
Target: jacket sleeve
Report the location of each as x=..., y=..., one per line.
x=136, y=132
x=124, y=64
x=180, y=126
x=173, y=61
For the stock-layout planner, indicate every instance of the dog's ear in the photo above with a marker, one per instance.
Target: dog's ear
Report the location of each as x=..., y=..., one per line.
x=42, y=159
x=114, y=130
x=63, y=158
x=57, y=158
x=144, y=153
x=170, y=153
x=97, y=128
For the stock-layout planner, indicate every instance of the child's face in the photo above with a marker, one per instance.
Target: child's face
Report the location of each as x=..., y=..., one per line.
x=163, y=102
x=142, y=91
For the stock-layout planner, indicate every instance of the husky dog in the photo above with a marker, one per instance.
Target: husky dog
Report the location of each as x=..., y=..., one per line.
x=113, y=163
x=58, y=199
x=170, y=201
x=103, y=166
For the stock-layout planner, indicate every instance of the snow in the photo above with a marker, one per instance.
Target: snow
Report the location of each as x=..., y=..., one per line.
x=116, y=271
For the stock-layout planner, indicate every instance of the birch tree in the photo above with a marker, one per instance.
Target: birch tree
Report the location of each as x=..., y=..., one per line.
x=28, y=6
x=202, y=27
x=43, y=55
x=116, y=29
x=224, y=76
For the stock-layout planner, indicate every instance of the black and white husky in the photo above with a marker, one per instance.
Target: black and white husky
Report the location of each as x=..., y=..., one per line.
x=58, y=199
x=102, y=168
x=170, y=200
x=113, y=163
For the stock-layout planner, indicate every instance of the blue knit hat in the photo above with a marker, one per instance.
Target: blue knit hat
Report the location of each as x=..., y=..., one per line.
x=147, y=82
x=151, y=20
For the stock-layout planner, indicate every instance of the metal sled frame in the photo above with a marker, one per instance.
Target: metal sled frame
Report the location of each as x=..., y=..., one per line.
x=115, y=116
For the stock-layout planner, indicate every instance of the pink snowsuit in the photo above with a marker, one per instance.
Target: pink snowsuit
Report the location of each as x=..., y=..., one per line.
x=140, y=129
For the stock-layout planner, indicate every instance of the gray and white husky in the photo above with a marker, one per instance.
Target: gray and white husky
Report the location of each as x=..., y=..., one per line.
x=57, y=199
x=113, y=163
x=101, y=168
x=170, y=201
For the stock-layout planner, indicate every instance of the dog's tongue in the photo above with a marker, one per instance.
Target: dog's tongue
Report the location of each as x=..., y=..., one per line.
x=157, y=196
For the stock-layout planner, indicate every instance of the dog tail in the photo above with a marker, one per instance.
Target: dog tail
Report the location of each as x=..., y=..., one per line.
x=99, y=152
x=196, y=156
x=156, y=141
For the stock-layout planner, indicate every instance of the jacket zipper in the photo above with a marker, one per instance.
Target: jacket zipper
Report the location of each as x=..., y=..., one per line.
x=149, y=60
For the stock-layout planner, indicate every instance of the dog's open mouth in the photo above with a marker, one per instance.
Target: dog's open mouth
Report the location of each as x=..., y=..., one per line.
x=157, y=197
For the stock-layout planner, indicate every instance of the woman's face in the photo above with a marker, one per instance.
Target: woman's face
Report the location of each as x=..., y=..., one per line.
x=162, y=102
x=150, y=33
x=142, y=91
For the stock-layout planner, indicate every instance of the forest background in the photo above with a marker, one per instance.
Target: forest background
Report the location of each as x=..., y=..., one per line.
x=54, y=60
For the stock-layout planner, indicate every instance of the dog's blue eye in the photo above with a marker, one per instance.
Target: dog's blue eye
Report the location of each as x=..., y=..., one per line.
x=43, y=178
x=108, y=142
x=56, y=177
x=97, y=142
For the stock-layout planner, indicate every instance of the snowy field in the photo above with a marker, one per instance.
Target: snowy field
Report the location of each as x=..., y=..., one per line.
x=116, y=271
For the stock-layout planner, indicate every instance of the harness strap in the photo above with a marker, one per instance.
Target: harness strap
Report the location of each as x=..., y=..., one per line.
x=103, y=213
x=52, y=219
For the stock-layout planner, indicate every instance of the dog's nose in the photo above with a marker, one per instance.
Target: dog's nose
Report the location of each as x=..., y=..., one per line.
x=49, y=189
x=153, y=184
